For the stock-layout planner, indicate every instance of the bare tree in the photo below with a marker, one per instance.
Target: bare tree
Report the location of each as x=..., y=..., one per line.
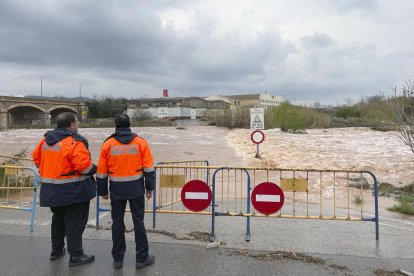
x=402, y=106
x=349, y=101
x=317, y=105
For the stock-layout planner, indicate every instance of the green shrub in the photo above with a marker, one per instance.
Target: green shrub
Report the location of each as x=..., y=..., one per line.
x=231, y=118
x=403, y=207
x=141, y=115
x=296, y=119
x=358, y=200
x=345, y=112
x=241, y=118
x=292, y=121
x=405, y=204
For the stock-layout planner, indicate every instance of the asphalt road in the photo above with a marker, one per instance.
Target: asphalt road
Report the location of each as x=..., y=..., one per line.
x=277, y=247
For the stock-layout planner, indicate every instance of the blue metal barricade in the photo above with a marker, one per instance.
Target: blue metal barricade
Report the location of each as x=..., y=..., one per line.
x=318, y=194
x=18, y=189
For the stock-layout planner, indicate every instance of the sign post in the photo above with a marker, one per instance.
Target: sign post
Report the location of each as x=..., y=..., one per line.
x=257, y=123
x=257, y=137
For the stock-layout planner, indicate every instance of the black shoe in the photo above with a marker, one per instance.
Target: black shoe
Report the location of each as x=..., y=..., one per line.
x=83, y=259
x=57, y=254
x=149, y=261
x=118, y=264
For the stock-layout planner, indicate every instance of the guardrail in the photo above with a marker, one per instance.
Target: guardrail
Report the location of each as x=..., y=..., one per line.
x=308, y=194
x=16, y=161
x=18, y=189
x=347, y=195
x=170, y=180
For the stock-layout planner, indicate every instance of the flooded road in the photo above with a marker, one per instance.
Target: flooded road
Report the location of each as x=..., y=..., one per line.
x=167, y=143
x=352, y=148
x=382, y=153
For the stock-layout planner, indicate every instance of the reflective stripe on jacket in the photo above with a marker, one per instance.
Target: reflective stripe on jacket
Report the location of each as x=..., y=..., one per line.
x=65, y=170
x=126, y=160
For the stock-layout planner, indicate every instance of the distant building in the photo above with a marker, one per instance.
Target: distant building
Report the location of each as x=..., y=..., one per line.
x=264, y=100
x=186, y=107
x=179, y=107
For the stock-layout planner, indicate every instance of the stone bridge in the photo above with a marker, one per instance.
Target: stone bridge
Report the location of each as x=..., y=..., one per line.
x=27, y=112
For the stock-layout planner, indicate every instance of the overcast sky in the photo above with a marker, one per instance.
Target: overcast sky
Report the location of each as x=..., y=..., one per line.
x=302, y=50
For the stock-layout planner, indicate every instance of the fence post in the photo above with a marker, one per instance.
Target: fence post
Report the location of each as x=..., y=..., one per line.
x=35, y=184
x=154, y=199
x=248, y=207
x=97, y=211
x=213, y=206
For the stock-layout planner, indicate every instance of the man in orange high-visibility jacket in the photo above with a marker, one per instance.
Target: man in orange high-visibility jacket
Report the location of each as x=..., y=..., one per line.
x=67, y=186
x=127, y=161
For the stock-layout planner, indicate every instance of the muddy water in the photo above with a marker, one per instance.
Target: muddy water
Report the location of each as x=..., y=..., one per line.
x=382, y=153
x=352, y=148
x=167, y=143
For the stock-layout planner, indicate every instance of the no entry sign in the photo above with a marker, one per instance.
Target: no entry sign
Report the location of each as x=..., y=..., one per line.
x=267, y=198
x=196, y=195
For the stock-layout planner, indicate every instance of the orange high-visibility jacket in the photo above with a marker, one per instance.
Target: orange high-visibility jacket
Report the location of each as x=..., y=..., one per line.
x=65, y=168
x=126, y=160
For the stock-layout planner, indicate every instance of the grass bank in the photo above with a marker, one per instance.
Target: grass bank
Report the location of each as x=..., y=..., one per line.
x=404, y=197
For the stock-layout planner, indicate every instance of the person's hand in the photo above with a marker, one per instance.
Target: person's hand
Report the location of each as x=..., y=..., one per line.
x=148, y=194
x=105, y=197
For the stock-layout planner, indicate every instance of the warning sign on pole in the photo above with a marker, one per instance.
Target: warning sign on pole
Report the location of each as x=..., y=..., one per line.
x=256, y=118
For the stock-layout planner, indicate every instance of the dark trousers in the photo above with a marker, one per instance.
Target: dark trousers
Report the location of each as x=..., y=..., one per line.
x=69, y=221
x=118, y=228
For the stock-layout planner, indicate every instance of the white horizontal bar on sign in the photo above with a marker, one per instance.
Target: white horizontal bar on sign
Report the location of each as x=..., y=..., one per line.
x=268, y=198
x=195, y=195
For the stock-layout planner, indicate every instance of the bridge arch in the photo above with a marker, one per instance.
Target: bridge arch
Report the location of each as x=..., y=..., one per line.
x=35, y=106
x=54, y=111
x=26, y=115
x=62, y=108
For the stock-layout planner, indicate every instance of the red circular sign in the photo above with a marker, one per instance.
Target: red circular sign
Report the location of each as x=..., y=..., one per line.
x=257, y=136
x=196, y=195
x=267, y=198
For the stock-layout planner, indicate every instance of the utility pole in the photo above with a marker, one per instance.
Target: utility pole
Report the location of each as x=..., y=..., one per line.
x=41, y=86
x=80, y=92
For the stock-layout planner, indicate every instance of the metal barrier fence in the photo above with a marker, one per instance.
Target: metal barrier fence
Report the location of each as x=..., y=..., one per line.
x=169, y=181
x=308, y=194
x=16, y=161
x=18, y=189
x=171, y=177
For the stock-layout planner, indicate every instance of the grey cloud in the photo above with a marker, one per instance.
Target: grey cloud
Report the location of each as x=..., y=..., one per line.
x=350, y=6
x=121, y=48
x=236, y=59
x=318, y=40
x=72, y=37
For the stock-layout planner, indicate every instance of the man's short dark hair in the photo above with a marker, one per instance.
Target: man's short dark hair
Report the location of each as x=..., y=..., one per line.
x=64, y=119
x=122, y=120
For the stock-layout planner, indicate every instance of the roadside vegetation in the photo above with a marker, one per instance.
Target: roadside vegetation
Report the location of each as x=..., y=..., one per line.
x=106, y=107
x=404, y=197
x=374, y=112
x=358, y=200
